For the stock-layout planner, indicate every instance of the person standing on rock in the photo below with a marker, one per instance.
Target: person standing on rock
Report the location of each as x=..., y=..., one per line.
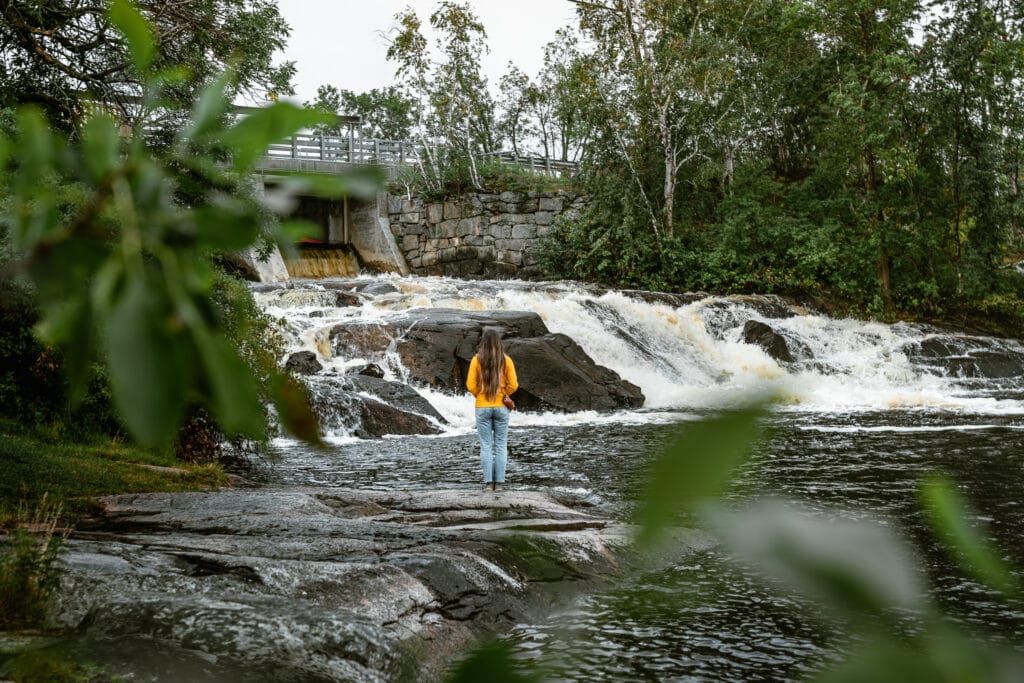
x=492, y=380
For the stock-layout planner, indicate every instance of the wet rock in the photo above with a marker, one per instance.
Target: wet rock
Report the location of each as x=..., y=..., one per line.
x=375, y=288
x=330, y=585
x=437, y=345
x=369, y=370
x=965, y=356
x=773, y=343
x=396, y=394
x=555, y=374
x=269, y=286
x=673, y=299
x=304, y=363
x=348, y=299
x=370, y=407
x=766, y=305
x=360, y=340
x=379, y=418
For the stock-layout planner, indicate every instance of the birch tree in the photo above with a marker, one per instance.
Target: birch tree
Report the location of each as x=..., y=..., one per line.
x=457, y=108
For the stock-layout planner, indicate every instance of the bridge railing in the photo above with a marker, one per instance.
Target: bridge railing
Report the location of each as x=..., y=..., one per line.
x=535, y=163
x=355, y=150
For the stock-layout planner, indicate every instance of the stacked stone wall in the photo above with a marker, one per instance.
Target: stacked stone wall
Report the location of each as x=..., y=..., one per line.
x=478, y=235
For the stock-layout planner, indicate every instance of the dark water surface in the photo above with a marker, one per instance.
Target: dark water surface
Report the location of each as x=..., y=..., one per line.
x=706, y=619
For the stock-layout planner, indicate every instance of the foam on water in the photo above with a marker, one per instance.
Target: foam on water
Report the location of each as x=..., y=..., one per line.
x=686, y=357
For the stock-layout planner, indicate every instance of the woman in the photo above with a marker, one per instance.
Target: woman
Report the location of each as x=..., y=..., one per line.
x=492, y=379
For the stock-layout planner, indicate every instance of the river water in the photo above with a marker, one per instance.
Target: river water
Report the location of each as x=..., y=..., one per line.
x=864, y=412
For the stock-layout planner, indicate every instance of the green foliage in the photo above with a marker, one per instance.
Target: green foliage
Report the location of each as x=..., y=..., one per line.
x=807, y=149
x=684, y=476
x=69, y=57
x=948, y=515
x=70, y=474
x=456, y=176
x=453, y=104
x=386, y=113
x=33, y=379
x=29, y=573
x=116, y=238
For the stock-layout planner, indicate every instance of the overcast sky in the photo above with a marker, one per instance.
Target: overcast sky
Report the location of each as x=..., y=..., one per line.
x=339, y=43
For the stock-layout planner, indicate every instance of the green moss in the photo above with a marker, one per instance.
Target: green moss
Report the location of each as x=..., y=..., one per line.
x=456, y=179
x=73, y=474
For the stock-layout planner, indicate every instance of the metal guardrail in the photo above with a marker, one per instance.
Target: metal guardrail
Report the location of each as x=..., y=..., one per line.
x=355, y=150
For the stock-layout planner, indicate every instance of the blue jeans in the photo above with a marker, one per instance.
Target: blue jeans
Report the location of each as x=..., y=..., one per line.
x=492, y=426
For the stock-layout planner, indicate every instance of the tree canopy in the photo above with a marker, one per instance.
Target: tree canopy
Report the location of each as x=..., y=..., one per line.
x=64, y=55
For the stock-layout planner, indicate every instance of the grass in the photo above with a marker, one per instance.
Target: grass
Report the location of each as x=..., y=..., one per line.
x=72, y=475
x=29, y=574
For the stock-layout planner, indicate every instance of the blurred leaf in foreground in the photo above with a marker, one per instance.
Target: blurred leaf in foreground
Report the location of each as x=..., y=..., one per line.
x=853, y=568
x=696, y=465
x=118, y=239
x=948, y=515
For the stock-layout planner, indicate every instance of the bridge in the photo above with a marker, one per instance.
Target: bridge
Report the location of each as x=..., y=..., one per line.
x=357, y=231
x=323, y=153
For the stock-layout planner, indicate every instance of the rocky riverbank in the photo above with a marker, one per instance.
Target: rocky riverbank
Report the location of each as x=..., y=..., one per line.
x=322, y=584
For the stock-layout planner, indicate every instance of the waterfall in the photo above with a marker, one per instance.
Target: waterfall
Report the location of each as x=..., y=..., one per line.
x=685, y=352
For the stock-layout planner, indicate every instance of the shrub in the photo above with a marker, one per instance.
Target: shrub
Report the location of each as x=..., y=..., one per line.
x=29, y=574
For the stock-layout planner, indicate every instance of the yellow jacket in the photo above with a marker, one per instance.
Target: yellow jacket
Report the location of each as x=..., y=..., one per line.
x=509, y=383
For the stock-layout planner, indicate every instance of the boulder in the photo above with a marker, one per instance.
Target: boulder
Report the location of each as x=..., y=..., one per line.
x=379, y=418
x=369, y=370
x=370, y=407
x=436, y=346
x=304, y=363
x=966, y=356
x=397, y=395
x=773, y=343
x=556, y=374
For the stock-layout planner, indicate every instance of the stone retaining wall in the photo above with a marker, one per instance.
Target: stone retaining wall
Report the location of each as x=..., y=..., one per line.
x=478, y=235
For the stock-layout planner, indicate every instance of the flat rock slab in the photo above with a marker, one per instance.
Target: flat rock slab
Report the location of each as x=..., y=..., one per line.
x=331, y=585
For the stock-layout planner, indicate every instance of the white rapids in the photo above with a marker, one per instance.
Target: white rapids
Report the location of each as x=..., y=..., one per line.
x=686, y=353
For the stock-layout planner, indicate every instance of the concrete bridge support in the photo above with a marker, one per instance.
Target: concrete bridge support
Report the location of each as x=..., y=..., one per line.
x=354, y=234
x=370, y=233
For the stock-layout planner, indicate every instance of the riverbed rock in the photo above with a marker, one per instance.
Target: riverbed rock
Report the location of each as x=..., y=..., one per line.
x=555, y=374
x=370, y=406
x=379, y=419
x=304, y=363
x=330, y=585
x=967, y=356
x=773, y=343
x=369, y=370
x=437, y=345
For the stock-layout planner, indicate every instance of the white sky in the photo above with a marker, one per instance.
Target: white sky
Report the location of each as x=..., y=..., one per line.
x=337, y=42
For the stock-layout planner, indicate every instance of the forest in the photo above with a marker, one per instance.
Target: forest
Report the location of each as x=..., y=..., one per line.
x=862, y=156
x=866, y=155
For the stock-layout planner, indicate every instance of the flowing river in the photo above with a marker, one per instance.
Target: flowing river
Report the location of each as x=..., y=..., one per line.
x=865, y=411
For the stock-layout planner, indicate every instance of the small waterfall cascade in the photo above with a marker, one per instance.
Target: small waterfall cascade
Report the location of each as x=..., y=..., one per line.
x=685, y=352
x=323, y=262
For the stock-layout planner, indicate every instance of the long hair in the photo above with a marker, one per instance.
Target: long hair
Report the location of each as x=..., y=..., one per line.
x=492, y=363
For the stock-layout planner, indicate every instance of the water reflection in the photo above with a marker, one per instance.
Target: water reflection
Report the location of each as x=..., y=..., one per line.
x=708, y=620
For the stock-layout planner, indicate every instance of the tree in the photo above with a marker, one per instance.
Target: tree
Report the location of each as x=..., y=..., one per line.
x=563, y=79
x=455, y=106
x=665, y=75
x=973, y=57
x=121, y=263
x=515, y=123
x=386, y=114
x=67, y=57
